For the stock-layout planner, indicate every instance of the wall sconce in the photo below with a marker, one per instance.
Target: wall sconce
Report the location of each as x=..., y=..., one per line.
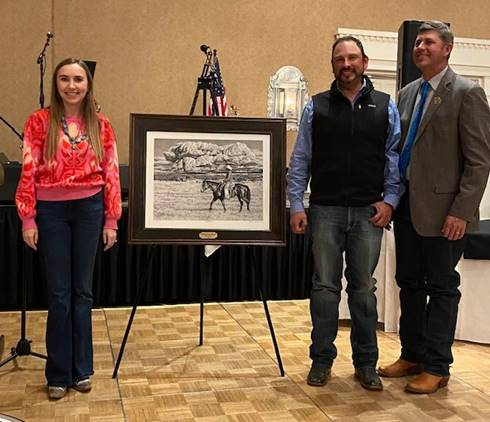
x=288, y=95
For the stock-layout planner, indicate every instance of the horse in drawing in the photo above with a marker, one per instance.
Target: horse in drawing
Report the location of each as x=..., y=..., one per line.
x=225, y=190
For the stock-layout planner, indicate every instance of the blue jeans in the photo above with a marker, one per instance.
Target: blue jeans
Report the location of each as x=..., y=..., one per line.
x=336, y=230
x=69, y=233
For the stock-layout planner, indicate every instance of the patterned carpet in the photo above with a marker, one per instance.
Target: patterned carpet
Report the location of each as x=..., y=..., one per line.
x=166, y=376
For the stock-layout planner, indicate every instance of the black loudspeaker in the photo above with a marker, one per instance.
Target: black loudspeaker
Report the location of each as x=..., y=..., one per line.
x=11, y=171
x=91, y=66
x=406, y=71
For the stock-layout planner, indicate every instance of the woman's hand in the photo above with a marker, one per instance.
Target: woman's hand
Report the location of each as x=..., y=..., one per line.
x=109, y=237
x=30, y=236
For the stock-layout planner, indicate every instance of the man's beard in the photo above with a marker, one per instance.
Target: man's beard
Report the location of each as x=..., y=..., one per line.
x=349, y=76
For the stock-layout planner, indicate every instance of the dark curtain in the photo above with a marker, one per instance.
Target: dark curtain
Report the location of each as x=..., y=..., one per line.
x=175, y=273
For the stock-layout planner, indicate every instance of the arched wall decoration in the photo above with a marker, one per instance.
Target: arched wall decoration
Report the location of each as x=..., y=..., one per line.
x=288, y=95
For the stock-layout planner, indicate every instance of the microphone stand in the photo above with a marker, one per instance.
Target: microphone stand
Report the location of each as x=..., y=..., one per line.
x=41, y=62
x=2, y=337
x=23, y=347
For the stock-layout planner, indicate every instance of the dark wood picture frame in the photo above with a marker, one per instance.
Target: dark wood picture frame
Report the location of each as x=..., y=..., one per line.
x=148, y=132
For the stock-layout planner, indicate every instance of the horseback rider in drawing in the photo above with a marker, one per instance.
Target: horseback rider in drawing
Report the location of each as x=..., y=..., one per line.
x=227, y=189
x=228, y=184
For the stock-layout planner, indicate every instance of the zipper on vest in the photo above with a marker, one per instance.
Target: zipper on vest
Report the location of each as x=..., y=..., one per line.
x=349, y=153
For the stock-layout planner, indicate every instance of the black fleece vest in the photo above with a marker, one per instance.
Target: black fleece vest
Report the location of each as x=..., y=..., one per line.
x=348, y=151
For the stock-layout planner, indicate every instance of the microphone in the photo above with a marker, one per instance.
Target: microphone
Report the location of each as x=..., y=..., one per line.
x=50, y=35
x=204, y=48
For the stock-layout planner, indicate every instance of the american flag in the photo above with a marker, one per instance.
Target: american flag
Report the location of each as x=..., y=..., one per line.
x=218, y=89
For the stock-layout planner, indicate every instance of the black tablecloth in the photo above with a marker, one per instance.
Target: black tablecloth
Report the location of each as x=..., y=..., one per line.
x=176, y=271
x=478, y=243
x=175, y=274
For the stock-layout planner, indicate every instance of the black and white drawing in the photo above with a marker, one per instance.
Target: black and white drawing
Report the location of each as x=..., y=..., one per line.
x=207, y=181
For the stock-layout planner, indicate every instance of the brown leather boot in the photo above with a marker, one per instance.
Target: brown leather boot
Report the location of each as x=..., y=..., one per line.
x=400, y=368
x=426, y=383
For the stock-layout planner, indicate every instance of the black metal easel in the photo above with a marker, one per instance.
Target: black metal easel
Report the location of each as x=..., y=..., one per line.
x=267, y=314
x=204, y=282
x=142, y=286
x=206, y=272
x=204, y=84
x=23, y=347
x=206, y=278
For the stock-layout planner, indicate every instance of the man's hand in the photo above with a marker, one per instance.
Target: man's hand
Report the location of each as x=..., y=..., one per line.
x=454, y=228
x=383, y=214
x=30, y=236
x=109, y=236
x=298, y=222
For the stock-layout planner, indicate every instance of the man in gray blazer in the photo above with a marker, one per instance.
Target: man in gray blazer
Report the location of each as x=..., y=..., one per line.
x=444, y=161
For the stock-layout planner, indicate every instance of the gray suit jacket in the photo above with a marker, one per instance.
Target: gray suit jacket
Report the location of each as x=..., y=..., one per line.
x=450, y=158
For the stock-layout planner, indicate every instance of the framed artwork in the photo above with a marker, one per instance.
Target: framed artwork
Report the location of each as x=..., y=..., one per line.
x=207, y=180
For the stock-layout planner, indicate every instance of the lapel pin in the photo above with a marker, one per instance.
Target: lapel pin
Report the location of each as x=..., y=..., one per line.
x=437, y=100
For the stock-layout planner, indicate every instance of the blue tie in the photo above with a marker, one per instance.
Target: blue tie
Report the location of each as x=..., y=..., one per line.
x=412, y=132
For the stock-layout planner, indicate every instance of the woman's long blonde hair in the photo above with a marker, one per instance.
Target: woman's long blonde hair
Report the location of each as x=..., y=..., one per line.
x=89, y=114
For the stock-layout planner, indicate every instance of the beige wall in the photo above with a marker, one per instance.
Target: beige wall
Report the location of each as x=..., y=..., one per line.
x=148, y=55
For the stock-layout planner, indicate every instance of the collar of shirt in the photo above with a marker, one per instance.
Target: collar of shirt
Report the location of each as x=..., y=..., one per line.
x=436, y=80
x=358, y=92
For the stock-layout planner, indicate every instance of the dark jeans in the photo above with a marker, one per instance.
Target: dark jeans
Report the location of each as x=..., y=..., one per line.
x=336, y=230
x=429, y=295
x=69, y=233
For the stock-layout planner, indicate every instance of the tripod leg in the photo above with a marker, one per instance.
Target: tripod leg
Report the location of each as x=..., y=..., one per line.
x=141, y=288
x=194, y=101
x=13, y=355
x=38, y=355
x=23, y=347
x=268, y=316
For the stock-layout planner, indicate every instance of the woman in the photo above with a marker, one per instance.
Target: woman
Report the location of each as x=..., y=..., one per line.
x=69, y=189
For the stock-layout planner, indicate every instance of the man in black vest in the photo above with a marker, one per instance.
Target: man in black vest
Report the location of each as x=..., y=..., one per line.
x=347, y=143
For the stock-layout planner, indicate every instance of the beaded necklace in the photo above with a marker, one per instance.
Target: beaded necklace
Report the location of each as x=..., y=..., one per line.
x=74, y=140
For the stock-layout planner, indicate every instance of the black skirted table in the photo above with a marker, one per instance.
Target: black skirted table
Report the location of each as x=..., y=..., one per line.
x=176, y=272
x=175, y=275
x=478, y=243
